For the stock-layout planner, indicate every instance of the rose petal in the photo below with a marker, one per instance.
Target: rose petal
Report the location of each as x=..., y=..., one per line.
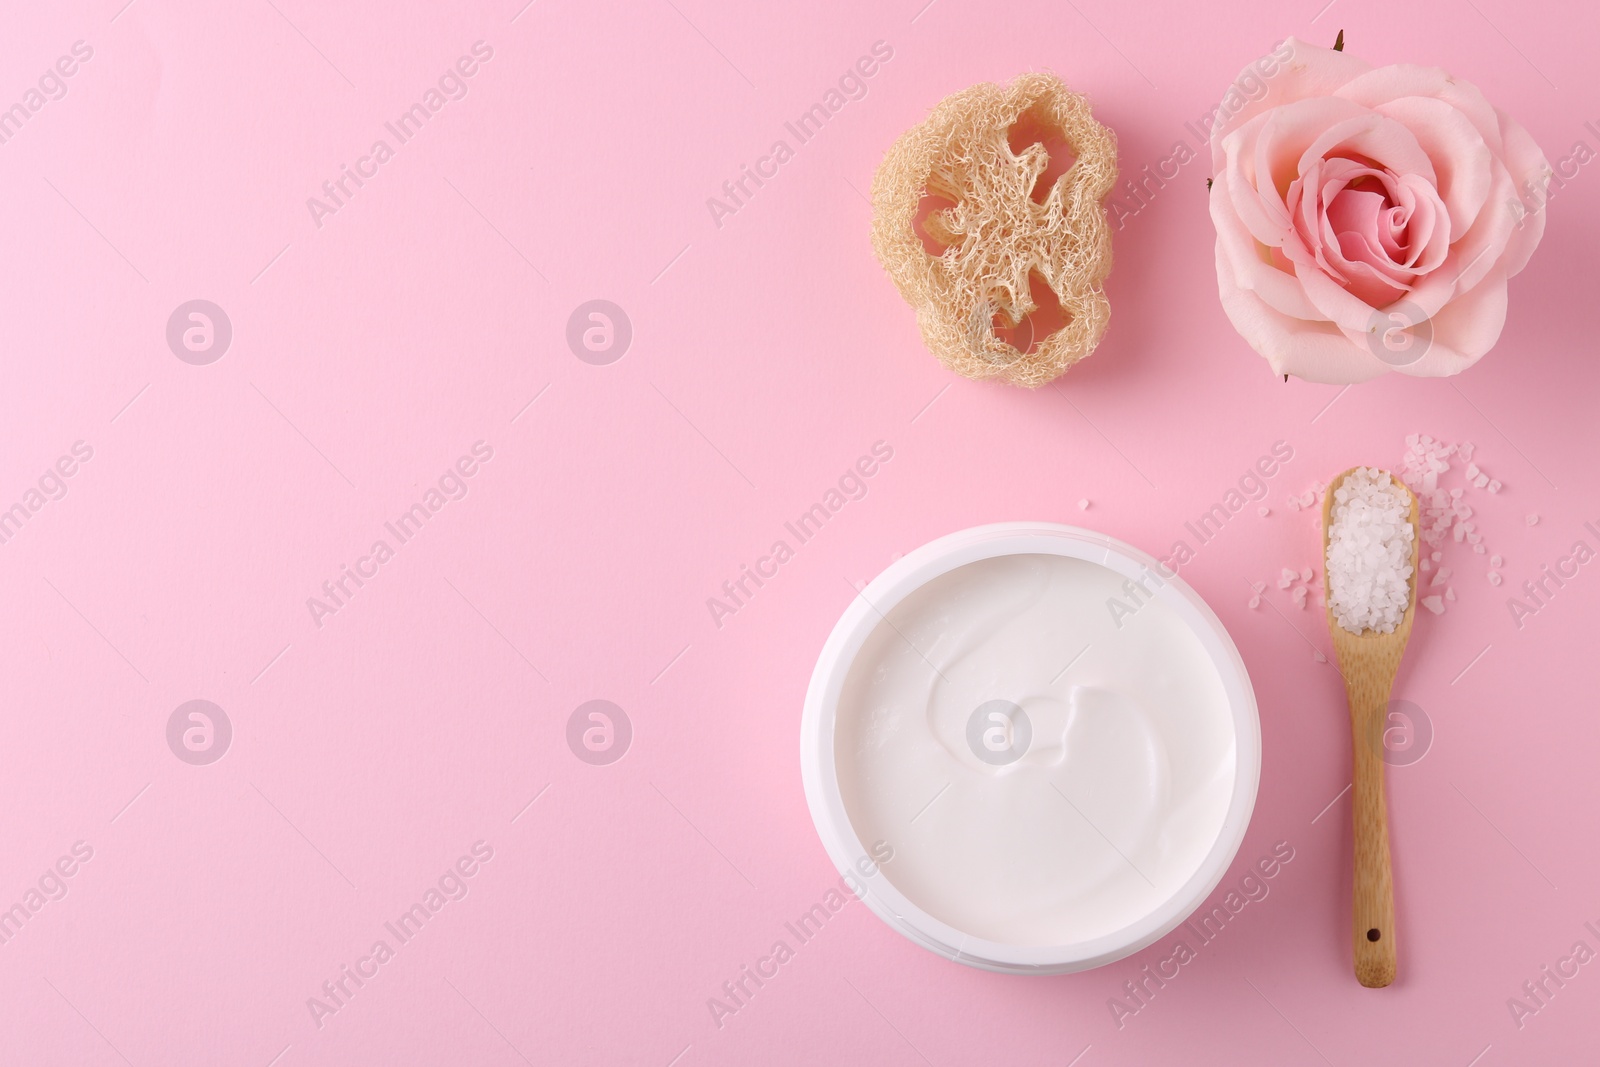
x=1364, y=279
x=1462, y=333
x=1429, y=224
x=1460, y=157
x=1330, y=178
x=1374, y=88
x=1305, y=71
x=1467, y=328
x=1530, y=174
x=1474, y=255
x=1250, y=268
x=1315, y=351
x=1382, y=140
x=1274, y=145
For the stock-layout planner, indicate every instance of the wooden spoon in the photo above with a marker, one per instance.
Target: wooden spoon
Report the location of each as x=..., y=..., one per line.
x=1368, y=662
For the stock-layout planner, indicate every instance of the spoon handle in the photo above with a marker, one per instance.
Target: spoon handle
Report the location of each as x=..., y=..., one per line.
x=1373, y=897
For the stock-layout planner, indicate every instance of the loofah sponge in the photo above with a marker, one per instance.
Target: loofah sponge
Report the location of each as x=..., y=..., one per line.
x=986, y=273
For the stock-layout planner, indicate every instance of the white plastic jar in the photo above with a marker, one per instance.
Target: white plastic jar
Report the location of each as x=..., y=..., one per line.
x=1032, y=749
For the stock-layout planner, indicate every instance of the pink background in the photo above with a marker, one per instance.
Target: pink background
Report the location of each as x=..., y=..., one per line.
x=768, y=353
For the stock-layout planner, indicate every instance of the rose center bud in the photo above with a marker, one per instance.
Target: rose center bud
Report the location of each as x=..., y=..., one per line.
x=1377, y=225
x=1394, y=235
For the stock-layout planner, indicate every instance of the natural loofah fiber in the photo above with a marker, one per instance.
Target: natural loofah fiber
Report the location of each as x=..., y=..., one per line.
x=997, y=237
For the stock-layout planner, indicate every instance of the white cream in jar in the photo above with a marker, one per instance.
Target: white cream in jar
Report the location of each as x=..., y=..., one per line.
x=1050, y=745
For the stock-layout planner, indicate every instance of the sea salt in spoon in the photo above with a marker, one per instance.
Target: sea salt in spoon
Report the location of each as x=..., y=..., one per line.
x=1368, y=661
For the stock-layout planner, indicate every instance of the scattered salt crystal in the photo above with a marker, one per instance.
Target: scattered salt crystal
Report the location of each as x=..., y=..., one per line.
x=1298, y=595
x=1263, y=511
x=1316, y=654
x=1472, y=470
x=1481, y=480
x=1260, y=587
x=1478, y=548
x=1533, y=520
x=1474, y=538
x=1255, y=602
x=1450, y=593
x=1440, y=578
x=1369, y=552
x=1307, y=498
x=1496, y=560
x=1434, y=604
x=1436, y=556
x=1294, y=504
x=1083, y=505
x=1305, y=574
x=1284, y=583
x=1494, y=577
x=1494, y=485
x=1425, y=565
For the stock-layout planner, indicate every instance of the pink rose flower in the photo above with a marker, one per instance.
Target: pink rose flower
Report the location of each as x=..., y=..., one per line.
x=1367, y=220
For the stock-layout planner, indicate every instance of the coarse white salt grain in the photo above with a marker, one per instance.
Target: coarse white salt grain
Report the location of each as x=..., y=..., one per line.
x=1425, y=564
x=1497, y=561
x=1083, y=505
x=1450, y=593
x=1369, y=552
x=1305, y=574
x=1316, y=654
x=1263, y=511
x=1260, y=587
x=1436, y=556
x=1255, y=601
x=1494, y=485
x=1478, y=548
x=1494, y=577
x=1434, y=604
x=1533, y=520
